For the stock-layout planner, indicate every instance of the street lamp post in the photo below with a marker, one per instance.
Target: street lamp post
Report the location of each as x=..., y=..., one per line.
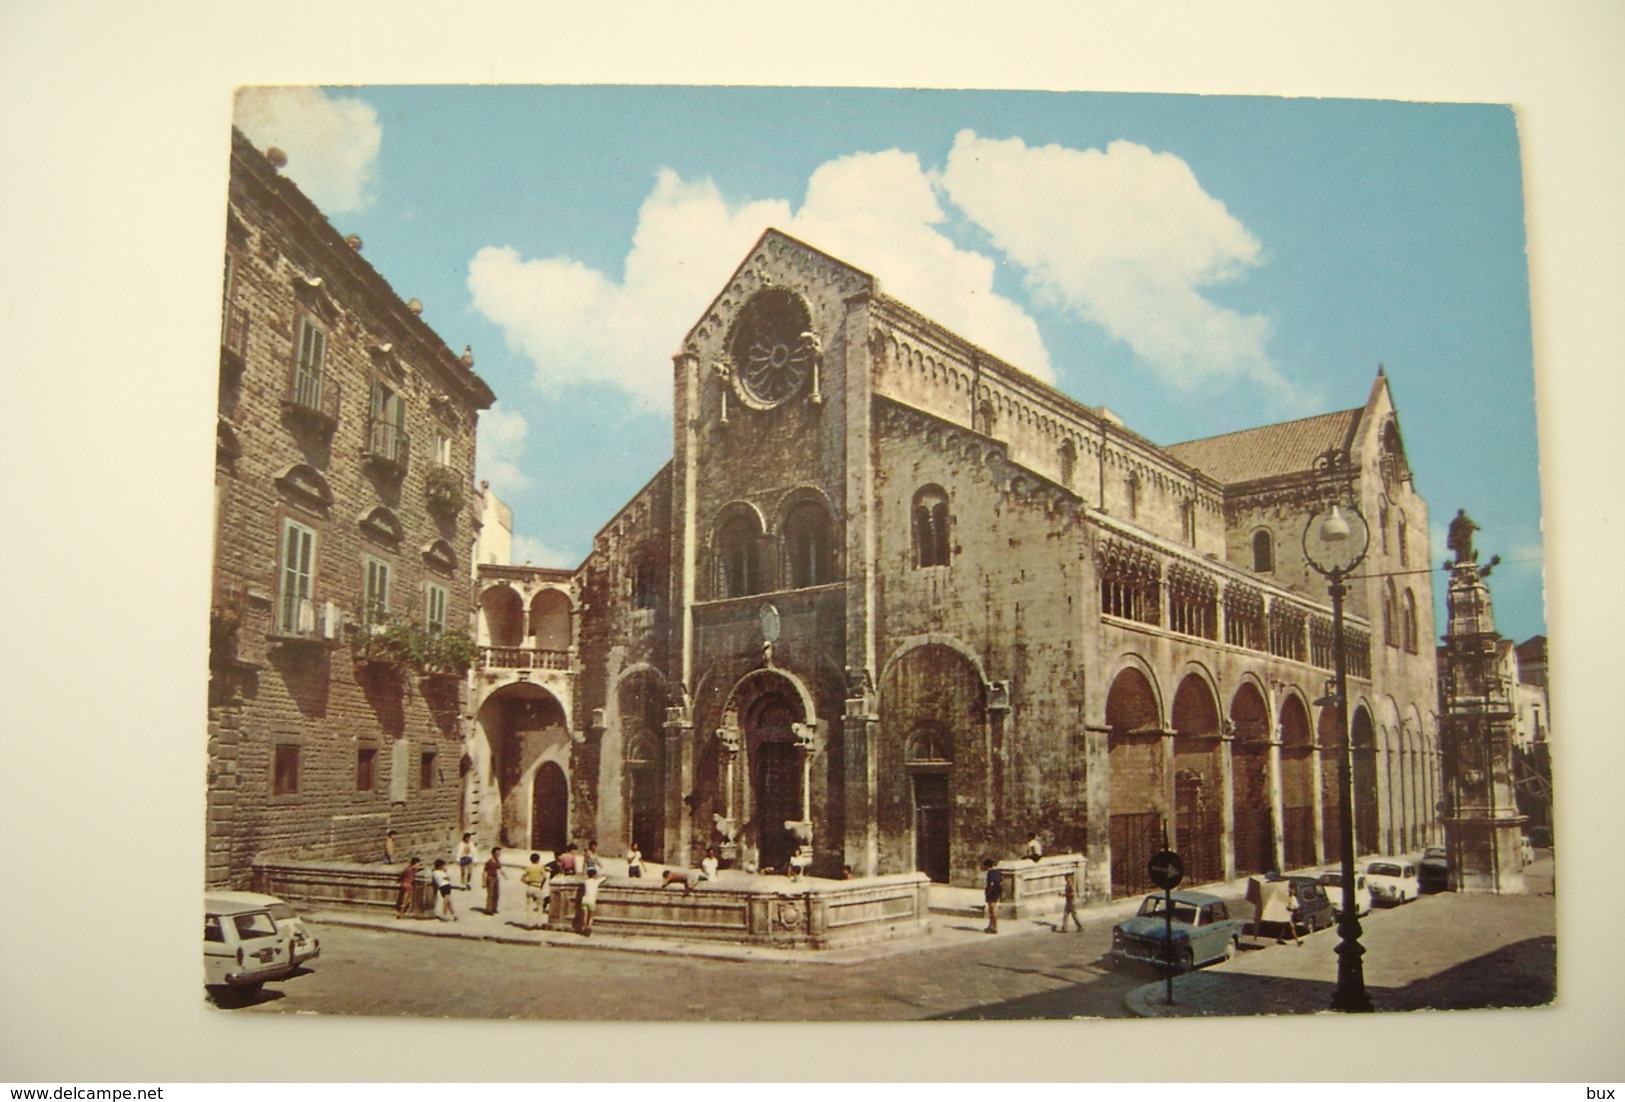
x=1335, y=541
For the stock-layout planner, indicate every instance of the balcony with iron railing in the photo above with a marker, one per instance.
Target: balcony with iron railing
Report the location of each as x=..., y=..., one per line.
x=388, y=445
x=313, y=396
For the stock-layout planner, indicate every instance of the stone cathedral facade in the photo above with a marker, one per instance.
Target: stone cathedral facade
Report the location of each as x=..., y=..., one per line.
x=896, y=605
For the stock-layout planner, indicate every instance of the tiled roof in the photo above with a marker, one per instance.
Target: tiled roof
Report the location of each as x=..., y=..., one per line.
x=1270, y=451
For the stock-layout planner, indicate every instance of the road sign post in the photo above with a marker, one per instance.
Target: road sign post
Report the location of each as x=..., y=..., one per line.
x=1166, y=871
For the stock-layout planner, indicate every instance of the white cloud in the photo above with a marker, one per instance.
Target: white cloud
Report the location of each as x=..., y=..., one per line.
x=877, y=211
x=501, y=444
x=528, y=550
x=332, y=142
x=1126, y=239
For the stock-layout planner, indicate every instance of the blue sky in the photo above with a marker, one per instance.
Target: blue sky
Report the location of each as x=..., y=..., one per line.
x=1197, y=264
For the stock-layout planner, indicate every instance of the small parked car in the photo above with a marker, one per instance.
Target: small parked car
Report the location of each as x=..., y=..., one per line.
x=304, y=945
x=242, y=947
x=1331, y=881
x=1393, y=880
x=1203, y=932
x=1279, y=901
x=1433, y=871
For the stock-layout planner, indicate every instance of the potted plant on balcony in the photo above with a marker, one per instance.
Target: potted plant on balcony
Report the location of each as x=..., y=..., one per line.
x=390, y=644
x=444, y=488
x=447, y=654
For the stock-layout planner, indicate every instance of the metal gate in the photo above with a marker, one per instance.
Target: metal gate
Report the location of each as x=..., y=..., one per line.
x=1136, y=839
x=1255, y=849
x=1298, y=823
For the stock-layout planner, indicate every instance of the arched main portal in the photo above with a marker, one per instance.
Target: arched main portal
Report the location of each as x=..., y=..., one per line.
x=1255, y=840
x=1134, y=751
x=1297, y=784
x=1198, y=781
x=763, y=769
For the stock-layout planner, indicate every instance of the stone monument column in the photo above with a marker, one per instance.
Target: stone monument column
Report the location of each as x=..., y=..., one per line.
x=1482, y=827
x=858, y=729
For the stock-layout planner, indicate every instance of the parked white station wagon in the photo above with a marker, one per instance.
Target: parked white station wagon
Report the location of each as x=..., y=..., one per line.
x=242, y=947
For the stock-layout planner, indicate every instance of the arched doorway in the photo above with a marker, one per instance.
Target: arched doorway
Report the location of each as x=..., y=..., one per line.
x=1255, y=840
x=761, y=769
x=550, y=808
x=1198, y=784
x=1134, y=752
x=929, y=761
x=645, y=798
x=776, y=776
x=1367, y=827
x=1297, y=784
x=936, y=803
x=518, y=726
x=1331, y=790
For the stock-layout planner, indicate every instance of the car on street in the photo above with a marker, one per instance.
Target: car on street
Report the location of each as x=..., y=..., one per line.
x=1280, y=902
x=1331, y=881
x=242, y=946
x=1202, y=928
x=1393, y=880
x=304, y=945
x=1433, y=870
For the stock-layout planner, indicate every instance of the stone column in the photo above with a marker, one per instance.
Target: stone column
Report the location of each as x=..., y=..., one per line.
x=860, y=726
x=1227, y=798
x=679, y=783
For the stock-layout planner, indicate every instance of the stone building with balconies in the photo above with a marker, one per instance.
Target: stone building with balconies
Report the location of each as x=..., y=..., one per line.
x=895, y=605
x=344, y=516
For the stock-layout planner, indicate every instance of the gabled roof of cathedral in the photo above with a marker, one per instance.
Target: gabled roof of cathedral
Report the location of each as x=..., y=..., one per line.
x=1269, y=451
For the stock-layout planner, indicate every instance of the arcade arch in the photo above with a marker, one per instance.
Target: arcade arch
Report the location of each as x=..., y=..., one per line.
x=1253, y=825
x=520, y=729
x=1135, y=760
x=1198, y=780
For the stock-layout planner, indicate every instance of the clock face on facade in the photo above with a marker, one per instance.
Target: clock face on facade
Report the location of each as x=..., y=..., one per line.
x=772, y=347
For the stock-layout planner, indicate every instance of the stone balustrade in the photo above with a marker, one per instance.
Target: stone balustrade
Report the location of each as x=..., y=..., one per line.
x=1034, y=888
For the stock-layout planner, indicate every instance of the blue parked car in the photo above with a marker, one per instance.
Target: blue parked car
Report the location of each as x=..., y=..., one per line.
x=1203, y=932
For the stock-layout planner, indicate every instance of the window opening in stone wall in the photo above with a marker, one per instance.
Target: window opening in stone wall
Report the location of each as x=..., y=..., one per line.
x=1409, y=621
x=1287, y=631
x=1187, y=514
x=375, y=593
x=285, y=771
x=646, y=584
x=296, y=611
x=1321, y=655
x=1244, y=617
x=1133, y=487
x=1263, y=552
x=931, y=527
x=809, y=546
x=434, y=608
x=1130, y=582
x=366, y=759
x=1404, y=549
x=1382, y=525
x=1069, y=462
x=386, y=425
x=309, y=366
x=738, y=552
x=1193, y=602
x=426, y=770
x=1358, y=652
x=1390, y=614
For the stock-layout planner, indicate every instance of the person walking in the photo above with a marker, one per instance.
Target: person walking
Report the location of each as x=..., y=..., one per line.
x=407, y=878
x=493, y=880
x=634, y=862
x=440, y=877
x=465, y=859
x=589, y=901
x=992, y=892
x=1069, y=888
x=535, y=879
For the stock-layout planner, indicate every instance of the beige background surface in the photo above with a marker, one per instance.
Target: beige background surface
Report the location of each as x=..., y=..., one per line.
x=113, y=126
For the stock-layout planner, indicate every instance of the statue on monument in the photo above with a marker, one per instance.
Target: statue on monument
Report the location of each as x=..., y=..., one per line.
x=1460, y=538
